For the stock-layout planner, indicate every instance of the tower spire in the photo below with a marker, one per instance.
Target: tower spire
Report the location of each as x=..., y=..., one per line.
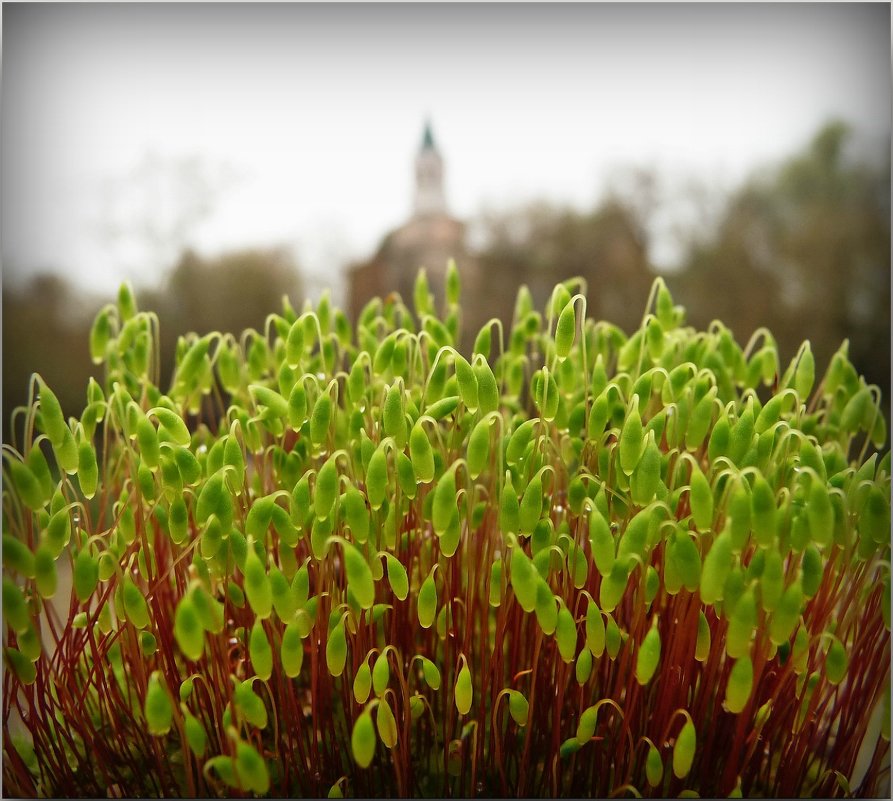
x=428, y=137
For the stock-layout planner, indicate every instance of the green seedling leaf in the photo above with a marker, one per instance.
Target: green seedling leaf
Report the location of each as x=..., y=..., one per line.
x=45, y=571
x=546, y=609
x=763, y=512
x=58, y=532
x=468, y=384
x=565, y=329
x=595, y=630
x=478, y=451
x=820, y=514
x=326, y=490
x=362, y=740
x=284, y=600
x=835, y=662
x=684, y=750
x=394, y=416
x=488, y=389
x=812, y=571
x=223, y=766
x=602, y=542
x=88, y=471
x=158, y=708
x=519, y=708
x=257, y=585
x=717, y=565
x=444, y=504
x=701, y=500
x=336, y=650
x=173, y=424
x=29, y=642
x=421, y=454
x=252, y=769
x=742, y=622
x=291, y=652
x=785, y=617
x=544, y=389
x=260, y=651
x=188, y=630
x=699, y=421
x=27, y=485
x=427, y=602
x=178, y=523
x=321, y=419
x=431, y=673
x=20, y=665
x=531, y=505
x=443, y=407
x=874, y=521
x=583, y=668
x=496, y=584
x=386, y=724
x=523, y=577
x=381, y=674
x=17, y=557
x=613, y=586
x=250, y=705
x=518, y=442
x=771, y=581
x=53, y=420
x=463, y=690
x=406, y=477
x=654, y=767
x=645, y=479
x=631, y=439
x=214, y=498
x=649, y=655
x=509, y=508
x=294, y=344
x=586, y=726
x=377, y=478
x=740, y=685
x=356, y=513
x=362, y=683
x=702, y=645
x=397, y=577
x=135, y=605
x=566, y=634
x=359, y=576
x=208, y=609
x=196, y=736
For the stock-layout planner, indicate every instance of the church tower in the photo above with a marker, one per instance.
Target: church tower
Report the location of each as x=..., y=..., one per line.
x=428, y=239
x=429, y=195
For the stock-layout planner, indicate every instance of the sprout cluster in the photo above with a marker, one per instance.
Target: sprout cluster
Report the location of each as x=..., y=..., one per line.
x=356, y=561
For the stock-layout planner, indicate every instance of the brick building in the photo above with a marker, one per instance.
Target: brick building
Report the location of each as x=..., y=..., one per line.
x=428, y=239
x=604, y=246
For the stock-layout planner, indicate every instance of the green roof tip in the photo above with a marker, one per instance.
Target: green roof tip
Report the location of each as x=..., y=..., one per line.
x=428, y=137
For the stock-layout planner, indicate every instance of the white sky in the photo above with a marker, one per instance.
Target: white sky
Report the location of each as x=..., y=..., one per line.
x=306, y=118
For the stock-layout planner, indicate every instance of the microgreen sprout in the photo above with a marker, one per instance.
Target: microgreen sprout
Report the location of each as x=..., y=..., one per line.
x=358, y=562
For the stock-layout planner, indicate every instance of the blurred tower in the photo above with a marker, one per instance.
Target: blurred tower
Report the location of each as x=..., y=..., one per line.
x=429, y=196
x=428, y=239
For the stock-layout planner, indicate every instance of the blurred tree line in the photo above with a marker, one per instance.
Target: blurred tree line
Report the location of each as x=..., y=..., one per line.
x=541, y=245
x=805, y=250
x=802, y=248
x=46, y=323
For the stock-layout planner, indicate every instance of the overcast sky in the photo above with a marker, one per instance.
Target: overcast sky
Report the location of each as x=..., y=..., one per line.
x=301, y=121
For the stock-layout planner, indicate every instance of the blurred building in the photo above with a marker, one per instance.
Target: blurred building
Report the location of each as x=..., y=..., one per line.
x=428, y=239
x=537, y=247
